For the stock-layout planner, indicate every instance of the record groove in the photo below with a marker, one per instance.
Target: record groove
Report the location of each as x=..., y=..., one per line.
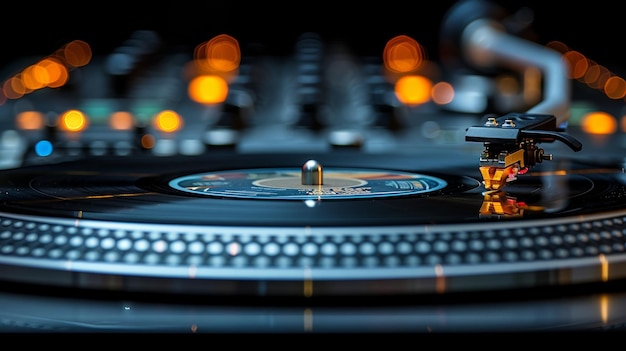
x=89, y=224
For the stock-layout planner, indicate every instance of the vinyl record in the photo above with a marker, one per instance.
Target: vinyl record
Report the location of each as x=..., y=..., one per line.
x=273, y=224
x=269, y=190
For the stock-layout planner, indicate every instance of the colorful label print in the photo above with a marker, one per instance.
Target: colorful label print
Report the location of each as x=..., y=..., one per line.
x=283, y=183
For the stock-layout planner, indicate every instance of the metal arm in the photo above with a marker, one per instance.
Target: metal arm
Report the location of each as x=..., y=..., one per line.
x=486, y=44
x=511, y=141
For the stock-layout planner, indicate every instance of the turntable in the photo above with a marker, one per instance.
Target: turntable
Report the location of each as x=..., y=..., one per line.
x=311, y=197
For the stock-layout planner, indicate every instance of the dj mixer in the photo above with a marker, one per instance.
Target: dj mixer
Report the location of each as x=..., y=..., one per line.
x=458, y=169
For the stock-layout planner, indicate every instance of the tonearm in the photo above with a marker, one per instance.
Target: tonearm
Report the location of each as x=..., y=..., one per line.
x=511, y=142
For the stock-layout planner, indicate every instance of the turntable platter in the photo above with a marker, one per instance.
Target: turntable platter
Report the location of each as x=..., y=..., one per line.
x=415, y=227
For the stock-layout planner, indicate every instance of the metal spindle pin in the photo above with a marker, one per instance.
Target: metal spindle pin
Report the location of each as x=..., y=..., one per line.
x=312, y=173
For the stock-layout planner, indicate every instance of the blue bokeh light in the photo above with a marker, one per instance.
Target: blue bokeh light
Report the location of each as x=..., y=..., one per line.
x=43, y=148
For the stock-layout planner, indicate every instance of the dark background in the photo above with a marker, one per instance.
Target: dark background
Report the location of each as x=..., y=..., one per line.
x=38, y=28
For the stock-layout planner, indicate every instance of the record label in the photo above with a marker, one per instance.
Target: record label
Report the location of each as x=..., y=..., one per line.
x=286, y=184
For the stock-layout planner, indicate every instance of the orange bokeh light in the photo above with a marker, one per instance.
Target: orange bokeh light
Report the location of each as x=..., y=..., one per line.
x=403, y=54
x=222, y=53
x=208, y=89
x=30, y=120
x=599, y=123
x=121, y=120
x=413, y=89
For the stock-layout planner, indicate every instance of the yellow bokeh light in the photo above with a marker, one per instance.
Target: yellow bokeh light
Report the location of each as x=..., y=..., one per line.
x=168, y=121
x=73, y=121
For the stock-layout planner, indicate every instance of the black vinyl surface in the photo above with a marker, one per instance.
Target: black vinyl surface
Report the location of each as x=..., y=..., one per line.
x=137, y=190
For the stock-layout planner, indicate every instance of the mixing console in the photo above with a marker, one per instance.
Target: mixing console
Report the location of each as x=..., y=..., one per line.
x=311, y=100
x=318, y=97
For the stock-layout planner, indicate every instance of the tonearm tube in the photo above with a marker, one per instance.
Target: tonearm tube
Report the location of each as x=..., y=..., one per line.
x=511, y=142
